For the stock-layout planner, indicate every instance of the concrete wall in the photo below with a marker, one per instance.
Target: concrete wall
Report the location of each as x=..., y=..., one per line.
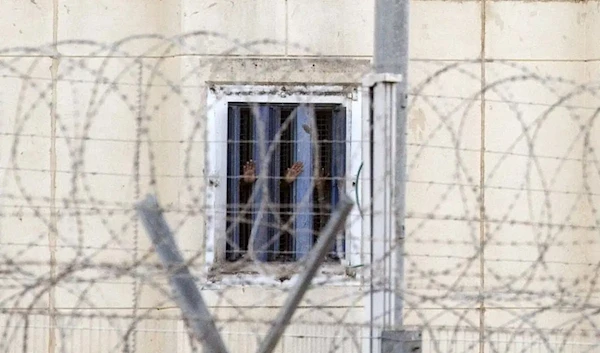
x=65, y=198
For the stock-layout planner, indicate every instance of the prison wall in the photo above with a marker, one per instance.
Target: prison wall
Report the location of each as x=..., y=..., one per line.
x=501, y=222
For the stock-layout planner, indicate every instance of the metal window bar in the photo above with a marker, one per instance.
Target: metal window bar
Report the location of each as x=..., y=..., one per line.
x=331, y=129
x=338, y=168
x=239, y=151
x=263, y=135
x=273, y=243
x=286, y=244
x=322, y=194
x=247, y=150
x=274, y=183
x=303, y=152
x=233, y=182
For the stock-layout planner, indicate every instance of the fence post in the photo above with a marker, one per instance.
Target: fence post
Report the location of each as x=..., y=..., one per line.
x=315, y=257
x=189, y=298
x=186, y=293
x=390, y=56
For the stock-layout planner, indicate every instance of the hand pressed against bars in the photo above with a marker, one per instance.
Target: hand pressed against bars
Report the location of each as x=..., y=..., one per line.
x=292, y=173
x=249, y=173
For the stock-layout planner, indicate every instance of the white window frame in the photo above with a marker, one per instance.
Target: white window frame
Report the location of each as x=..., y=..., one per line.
x=218, y=98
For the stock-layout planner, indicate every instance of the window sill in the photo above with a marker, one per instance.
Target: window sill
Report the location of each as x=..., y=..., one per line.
x=279, y=274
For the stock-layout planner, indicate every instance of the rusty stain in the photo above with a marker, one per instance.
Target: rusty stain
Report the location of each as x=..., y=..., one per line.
x=499, y=21
x=425, y=31
x=417, y=123
x=581, y=18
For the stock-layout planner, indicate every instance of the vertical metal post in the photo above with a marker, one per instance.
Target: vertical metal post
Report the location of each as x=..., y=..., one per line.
x=386, y=97
x=379, y=156
x=234, y=204
x=391, y=56
x=391, y=36
x=338, y=167
x=260, y=226
x=274, y=181
x=303, y=187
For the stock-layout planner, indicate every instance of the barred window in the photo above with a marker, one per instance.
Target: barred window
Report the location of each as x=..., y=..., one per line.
x=285, y=172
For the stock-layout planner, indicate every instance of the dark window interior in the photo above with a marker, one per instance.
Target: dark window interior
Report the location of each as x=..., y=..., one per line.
x=241, y=148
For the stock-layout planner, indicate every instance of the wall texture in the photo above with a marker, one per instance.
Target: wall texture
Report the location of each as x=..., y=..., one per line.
x=495, y=151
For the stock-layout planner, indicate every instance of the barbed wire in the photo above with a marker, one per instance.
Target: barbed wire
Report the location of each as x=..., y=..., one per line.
x=501, y=223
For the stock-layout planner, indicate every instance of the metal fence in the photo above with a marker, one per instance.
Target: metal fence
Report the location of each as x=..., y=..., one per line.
x=501, y=224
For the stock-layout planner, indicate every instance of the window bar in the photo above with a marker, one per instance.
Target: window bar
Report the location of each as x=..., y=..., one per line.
x=303, y=152
x=338, y=167
x=233, y=182
x=261, y=121
x=286, y=244
x=275, y=182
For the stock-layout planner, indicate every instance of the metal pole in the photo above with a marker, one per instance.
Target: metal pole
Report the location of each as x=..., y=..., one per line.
x=391, y=36
x=391, y=56
x=316, y=256
x=186, y=293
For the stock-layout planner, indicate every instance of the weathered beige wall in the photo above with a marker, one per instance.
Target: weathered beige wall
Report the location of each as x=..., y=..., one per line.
x=321, y=41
